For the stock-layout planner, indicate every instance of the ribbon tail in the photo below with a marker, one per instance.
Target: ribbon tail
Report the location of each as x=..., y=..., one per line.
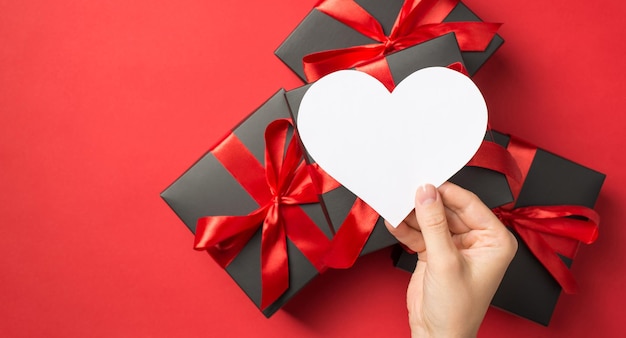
x=224, y=236
x=274, y=261
x=420, y=12
x=550, y=259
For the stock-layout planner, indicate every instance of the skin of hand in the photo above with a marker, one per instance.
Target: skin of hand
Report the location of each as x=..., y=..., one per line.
x=463, y=250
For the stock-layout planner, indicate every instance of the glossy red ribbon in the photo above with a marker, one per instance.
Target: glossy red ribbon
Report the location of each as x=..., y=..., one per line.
x=278, y=188
x=418, y=21
x=352, y=236
x=544, y=229
x=532, y=223
x=355, y=229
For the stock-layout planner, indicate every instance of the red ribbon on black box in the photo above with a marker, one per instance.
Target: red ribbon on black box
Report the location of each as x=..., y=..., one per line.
x=418, y=21
x=278, y=188
x=547, y=230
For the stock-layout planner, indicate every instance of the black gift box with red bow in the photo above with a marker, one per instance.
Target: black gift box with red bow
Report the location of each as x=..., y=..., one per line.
x=209, y=188
x=528, y=288
x=320, y=31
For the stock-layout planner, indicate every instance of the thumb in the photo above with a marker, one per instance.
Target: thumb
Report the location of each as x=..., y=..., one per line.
x=431, y=218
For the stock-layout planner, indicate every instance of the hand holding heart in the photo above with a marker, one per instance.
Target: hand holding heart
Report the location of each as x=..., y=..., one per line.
x=464, y=251
x=383, y=145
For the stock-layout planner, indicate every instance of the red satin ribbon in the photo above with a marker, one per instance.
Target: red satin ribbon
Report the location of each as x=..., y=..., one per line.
x=418, y=21
x=493, y=156
x=544, y=229
x=278, y=189
x=355, y=230
x=352, y=236
x=532, y=223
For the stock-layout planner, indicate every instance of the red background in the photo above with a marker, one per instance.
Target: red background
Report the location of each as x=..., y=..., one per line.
x=104, y=103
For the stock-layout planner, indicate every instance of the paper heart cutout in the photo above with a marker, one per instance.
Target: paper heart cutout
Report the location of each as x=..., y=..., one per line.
x=382, y=145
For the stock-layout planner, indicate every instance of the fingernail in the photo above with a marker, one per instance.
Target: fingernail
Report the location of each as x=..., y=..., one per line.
x=426, y=194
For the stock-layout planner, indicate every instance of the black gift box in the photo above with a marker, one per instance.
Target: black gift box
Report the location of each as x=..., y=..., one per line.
x=491, y=186
x=528, y=289
x=319, y=32
x=208, y=189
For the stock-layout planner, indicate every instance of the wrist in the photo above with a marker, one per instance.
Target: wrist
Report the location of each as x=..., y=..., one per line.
x=421, y=332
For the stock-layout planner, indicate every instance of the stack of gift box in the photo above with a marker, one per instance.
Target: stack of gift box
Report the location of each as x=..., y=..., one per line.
x=274, y=220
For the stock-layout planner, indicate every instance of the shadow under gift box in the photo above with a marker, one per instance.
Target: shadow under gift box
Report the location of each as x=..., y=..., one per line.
x=209, y=189
x=490, y=186
x=528, y=290
x=320, y=32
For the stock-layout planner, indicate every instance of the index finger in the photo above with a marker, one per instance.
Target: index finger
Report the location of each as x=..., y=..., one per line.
x=470, y=209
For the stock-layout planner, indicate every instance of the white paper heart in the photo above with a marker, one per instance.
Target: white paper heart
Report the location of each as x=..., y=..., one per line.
x=382, y=145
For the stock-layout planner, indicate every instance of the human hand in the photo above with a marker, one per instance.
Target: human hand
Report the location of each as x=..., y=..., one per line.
x=463, y=250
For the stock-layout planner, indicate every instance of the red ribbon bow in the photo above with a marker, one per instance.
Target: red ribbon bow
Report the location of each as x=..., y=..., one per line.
x=418, y=21
x=546, y=230
x=531, y=223
x=278, y=189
